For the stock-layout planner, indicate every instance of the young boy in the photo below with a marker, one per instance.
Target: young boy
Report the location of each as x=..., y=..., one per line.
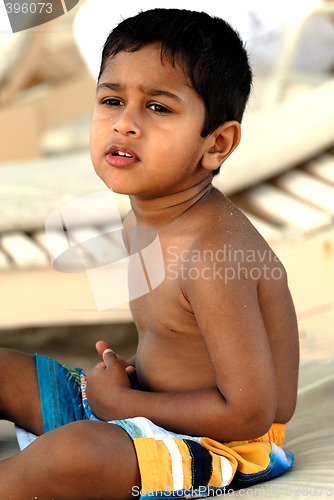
x=218, y=348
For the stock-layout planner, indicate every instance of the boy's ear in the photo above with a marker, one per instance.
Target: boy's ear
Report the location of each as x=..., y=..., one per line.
x=222, y=142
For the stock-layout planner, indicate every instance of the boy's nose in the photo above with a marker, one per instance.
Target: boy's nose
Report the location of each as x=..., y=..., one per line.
x=127, y=124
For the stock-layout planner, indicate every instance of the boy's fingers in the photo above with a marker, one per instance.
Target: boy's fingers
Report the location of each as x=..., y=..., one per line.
x=101, y=346
x=108, y=356
x=130, y=370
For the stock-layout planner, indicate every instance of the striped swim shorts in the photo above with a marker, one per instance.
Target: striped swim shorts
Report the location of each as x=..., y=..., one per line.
x=171, y=465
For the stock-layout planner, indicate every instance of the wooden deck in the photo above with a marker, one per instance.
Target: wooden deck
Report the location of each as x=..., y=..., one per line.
x=298, y=202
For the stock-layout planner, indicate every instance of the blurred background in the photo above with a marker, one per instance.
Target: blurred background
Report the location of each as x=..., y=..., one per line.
x=282, y=175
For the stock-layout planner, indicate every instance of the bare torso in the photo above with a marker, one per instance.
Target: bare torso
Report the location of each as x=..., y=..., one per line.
x=172, y=354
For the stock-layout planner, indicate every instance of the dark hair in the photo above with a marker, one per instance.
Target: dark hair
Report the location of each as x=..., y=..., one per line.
x=209, y=50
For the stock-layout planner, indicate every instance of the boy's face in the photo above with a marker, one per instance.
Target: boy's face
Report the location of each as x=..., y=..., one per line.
x=146, y=110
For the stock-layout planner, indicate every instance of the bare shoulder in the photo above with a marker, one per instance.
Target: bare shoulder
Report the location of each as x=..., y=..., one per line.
x=226, y=236
x=238, y=290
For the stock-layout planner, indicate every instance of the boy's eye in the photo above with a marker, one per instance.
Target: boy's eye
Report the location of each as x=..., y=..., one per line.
x=112, y=101
x=158, y=108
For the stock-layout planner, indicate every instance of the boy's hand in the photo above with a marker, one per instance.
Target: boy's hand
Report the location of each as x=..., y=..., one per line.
x=106, y=383
x=101, y=346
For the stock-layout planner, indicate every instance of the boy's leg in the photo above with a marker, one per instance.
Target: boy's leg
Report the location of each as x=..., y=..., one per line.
x=80, y=461
x=19, y=392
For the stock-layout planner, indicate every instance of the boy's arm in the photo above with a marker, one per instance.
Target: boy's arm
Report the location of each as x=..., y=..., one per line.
x=243, y=403
x=202, y=412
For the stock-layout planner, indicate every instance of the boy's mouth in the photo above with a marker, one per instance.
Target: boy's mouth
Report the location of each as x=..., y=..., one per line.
x=118, y=156
x=121, y=153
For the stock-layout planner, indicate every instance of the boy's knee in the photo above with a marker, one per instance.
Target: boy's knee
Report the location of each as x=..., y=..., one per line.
x=74, y=446
x=83, y=444
x=90, y=457
x=5, y=354
x=66, y=460
x=10, y=356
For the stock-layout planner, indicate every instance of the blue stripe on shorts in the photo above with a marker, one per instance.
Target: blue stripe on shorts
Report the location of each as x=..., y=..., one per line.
x=59, y=388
